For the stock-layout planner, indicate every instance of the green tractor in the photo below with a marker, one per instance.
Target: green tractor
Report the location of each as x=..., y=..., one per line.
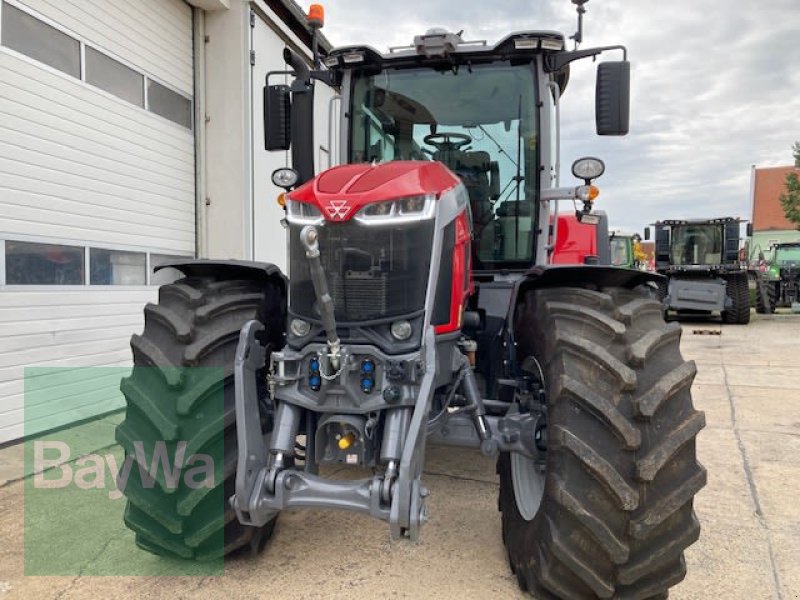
x=780, y=282
x=622, y=250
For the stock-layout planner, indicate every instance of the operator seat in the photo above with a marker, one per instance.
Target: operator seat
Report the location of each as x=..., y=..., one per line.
x=504, y=240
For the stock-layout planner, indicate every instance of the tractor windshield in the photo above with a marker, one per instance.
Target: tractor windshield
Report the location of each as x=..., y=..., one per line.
x=697, y=244
x=787, y=255
x=480, y=121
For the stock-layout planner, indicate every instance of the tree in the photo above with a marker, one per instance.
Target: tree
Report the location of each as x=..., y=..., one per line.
x=790, y=199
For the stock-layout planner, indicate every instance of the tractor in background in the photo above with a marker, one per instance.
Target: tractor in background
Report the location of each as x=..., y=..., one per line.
x=422, y=307
x=623, y=249
x=700, y=259
x=780, y=282
x=580, y=243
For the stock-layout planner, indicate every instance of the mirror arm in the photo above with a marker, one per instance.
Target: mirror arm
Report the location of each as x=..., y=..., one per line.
x=559, y=60
x=328, y=77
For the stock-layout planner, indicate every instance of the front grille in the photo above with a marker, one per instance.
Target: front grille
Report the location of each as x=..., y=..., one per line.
x=360, y=295
x=373, y=272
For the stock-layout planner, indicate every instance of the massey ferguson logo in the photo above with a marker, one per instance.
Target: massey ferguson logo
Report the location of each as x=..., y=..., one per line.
x=338, y=209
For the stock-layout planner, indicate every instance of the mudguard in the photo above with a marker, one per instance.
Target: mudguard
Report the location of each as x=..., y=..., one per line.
x=542, y=276
x=226, y=269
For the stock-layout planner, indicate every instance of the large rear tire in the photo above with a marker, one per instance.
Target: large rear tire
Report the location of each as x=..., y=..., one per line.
x=196, y=323
x=737, y=290
x=621, y=472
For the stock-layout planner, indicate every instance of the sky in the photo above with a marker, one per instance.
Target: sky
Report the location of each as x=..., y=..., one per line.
x=715, y=89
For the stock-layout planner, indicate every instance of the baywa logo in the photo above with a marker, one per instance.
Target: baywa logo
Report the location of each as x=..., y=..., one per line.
x=90, y=471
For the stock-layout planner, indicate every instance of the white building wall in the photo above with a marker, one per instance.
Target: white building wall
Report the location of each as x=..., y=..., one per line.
x=82, y=167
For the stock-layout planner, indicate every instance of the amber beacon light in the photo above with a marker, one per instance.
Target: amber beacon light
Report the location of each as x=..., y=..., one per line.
x=316, y=15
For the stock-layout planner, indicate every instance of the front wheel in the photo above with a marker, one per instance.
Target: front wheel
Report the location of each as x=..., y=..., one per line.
x=615, y=510
x=181, y=393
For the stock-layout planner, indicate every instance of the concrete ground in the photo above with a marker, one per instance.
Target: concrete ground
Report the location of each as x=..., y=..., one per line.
x=748, y=382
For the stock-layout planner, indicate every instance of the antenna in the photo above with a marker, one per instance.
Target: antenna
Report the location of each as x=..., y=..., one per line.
x=578, y=37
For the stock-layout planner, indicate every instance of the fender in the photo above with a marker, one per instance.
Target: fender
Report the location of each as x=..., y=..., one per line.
x=228, y=269
x=542, y=276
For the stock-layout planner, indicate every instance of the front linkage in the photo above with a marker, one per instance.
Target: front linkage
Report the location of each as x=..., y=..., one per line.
x=267, y=484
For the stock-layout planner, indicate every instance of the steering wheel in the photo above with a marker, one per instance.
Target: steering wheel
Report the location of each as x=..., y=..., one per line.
x=445, y=141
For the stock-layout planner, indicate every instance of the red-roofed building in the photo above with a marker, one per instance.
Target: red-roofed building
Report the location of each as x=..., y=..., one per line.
x=770, y=224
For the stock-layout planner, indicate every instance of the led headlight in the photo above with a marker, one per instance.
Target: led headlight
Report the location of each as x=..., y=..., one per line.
x=395, y=212
x=303, y=213
x=401, y=330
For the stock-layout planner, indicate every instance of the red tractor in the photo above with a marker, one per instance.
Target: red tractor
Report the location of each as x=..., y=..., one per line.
x=421, y=307
x=580, y=243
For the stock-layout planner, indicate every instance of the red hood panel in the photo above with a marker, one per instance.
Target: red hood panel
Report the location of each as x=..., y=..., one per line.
x=342, y=191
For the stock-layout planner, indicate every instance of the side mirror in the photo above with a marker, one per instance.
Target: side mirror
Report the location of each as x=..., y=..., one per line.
x=749, y=230
x=646, y=233
x=612, y=97
x=277, y=117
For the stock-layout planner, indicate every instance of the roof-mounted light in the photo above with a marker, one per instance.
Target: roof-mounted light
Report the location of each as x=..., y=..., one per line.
x=552, y=44
x=316, y=16
x=331, y=61
x=526, y=43
x=353, y=58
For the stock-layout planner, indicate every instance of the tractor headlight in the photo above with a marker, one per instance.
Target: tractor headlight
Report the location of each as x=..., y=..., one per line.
x=399, y=211
x=300, y=328
x=302, y=213
x=401, y=330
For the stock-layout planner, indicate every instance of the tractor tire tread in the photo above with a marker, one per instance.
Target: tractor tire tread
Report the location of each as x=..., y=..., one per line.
x=621, y=477
x=195, y=324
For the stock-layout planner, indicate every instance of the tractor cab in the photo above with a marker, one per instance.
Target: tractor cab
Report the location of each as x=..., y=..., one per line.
x=486, y=112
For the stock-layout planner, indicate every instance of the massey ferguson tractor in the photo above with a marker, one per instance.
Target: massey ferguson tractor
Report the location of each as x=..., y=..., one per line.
x=420, y=307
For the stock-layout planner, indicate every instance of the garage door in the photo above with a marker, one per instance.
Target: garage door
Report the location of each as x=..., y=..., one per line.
x=96, y=186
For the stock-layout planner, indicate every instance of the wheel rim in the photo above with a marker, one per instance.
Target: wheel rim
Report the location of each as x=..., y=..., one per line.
x=528, y=485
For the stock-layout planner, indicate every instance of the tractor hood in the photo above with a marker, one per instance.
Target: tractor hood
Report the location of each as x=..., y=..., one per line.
x=341, y=192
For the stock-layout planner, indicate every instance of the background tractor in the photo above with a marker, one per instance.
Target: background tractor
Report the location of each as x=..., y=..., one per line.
x=700, y=258
x=421, y=307
x=780, y=283
x=579, y=243
x=624, y=250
